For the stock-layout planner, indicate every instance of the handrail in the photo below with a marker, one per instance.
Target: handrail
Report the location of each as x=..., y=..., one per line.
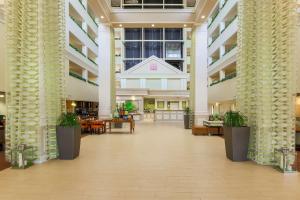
x=76, y=49
x=213, y=62
x=227, y=77
x=93, y=83
x=77, y=76
x=92, y=39
x=230, y=49
x=92, y=61
x=76, y=22
x=228, y=23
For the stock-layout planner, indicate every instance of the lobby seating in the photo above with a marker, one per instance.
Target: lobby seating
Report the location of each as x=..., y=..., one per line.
x=200, y=130
x=97, y=127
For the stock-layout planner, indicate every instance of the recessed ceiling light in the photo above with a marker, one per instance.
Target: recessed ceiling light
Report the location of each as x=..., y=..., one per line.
x=2, y=95
x=152, y=25
x=203, y=16
x=102, y=17
x=120, y=25
x=184, y=25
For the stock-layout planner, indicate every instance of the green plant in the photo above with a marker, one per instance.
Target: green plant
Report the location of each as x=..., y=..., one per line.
x=68, y=120
x=234, y=119
x=129, y=106
x=187, y=111
x=215, y=117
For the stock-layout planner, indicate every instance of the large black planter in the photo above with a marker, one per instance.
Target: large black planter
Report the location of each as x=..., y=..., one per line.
x=188, y=121
x=236, y=142
x=68, y=142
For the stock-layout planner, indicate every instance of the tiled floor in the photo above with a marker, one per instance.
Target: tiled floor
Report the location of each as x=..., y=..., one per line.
x=159, y=161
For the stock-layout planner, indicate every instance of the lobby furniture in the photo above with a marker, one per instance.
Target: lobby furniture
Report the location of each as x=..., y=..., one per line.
x=130, y=121
x=214, y=127
x=85, y=127
x=97, y=126
x=199, y=130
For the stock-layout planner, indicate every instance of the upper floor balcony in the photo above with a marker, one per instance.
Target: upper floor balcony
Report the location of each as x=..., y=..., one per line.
x=153, y=4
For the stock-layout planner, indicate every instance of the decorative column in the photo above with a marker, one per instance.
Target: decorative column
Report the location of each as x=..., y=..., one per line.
x=199, y=75
x=36, y=66
x=105, y=72
x=266, y=77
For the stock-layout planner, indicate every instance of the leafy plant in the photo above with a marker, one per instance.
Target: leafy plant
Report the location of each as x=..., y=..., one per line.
x=129, y=106
x=215, y=117
x=234, y=119
x=187, y=111
x=68, y=120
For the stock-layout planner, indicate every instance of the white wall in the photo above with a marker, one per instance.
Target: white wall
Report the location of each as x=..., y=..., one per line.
x=81, y=91
x=225, y=91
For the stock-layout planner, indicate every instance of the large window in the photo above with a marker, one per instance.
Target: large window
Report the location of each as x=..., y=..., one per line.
x=173, y=50
x=153, y=34
x=141, y=44
x=133, y=34
x=173, y=34
x=153, y=49
x=133, y=49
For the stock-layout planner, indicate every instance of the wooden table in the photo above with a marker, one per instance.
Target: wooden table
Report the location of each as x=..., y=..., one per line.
x=122, y=121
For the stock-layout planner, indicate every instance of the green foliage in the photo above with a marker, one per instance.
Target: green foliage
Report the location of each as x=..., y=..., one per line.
x=216, y=117
x=68, y=120
x=129, y=106
x=187, y=111
x=234, y=119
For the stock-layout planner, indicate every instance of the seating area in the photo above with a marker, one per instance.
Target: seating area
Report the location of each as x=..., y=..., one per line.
x=92, y=126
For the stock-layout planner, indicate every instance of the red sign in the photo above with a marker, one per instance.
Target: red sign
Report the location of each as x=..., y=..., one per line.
x=153, y=67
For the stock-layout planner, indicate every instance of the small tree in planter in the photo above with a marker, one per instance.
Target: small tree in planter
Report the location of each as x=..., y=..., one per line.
x=68, y=134
x=188, y=117
x=236, y=135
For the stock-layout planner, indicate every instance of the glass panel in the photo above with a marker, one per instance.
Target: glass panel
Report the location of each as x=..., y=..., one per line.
x=153, y=1
x=153, y=34
x=131, y=63
x=173, y=50
x=176, y=63
x=153, y=49
x=133, y=34
x=173, y=34
x=133, y=49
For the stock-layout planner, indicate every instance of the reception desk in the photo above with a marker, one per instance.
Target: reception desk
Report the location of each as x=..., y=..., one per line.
x=168, y=115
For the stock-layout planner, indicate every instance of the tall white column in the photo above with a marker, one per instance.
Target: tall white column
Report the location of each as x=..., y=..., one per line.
x=201, y=101
x=104, y=60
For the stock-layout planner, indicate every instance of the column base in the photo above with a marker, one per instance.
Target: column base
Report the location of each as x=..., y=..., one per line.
x=200, y=117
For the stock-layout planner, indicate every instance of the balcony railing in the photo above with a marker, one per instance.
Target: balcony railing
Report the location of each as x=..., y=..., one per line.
x=214, y=16
x=213, y=40
x=76, y=49
x=92, y=16
x=227, y=24
x=93, y=40
x=214, y=61
x=77, y=76
x=78, y=23
x=227, y=77
x=92, y=83
x=230, y=49
x=92, y=61
x=164, y=4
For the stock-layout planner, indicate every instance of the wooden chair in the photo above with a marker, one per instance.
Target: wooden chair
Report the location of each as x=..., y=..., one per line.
x=84, y=126
x=98, y=127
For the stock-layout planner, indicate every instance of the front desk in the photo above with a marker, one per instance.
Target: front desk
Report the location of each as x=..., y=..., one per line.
x=168, y=115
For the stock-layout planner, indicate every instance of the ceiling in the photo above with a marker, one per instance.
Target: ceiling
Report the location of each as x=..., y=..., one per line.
x=146, y=17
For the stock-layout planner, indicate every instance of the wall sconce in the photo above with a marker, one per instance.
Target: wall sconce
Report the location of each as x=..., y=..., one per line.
x=73, y=104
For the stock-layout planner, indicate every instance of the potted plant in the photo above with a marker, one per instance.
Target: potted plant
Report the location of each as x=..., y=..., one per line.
x=236, y=135
x=68, y=136
x=188, y=118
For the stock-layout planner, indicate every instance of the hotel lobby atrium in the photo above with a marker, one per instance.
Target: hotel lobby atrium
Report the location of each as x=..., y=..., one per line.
x=149, y=99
